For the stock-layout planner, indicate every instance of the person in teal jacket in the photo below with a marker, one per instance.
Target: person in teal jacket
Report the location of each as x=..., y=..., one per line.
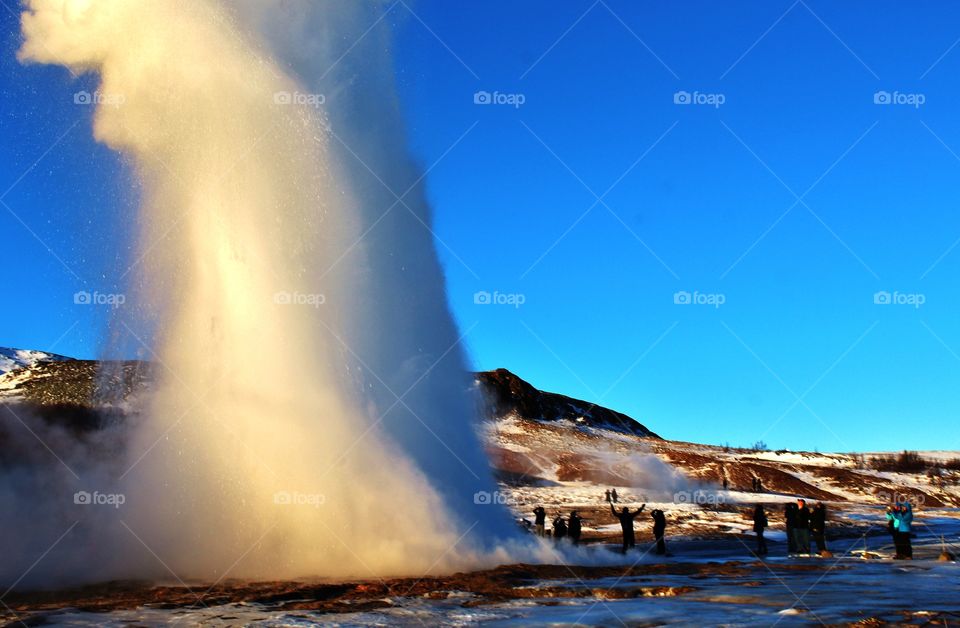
x=902, y=517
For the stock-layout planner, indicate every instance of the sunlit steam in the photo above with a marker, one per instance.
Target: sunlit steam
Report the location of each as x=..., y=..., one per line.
x=312, y=412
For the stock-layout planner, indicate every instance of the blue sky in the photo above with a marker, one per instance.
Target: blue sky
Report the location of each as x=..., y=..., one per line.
x=793, y=202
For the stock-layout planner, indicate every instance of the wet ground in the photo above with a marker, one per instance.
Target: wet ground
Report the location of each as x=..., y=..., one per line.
x=702, y=582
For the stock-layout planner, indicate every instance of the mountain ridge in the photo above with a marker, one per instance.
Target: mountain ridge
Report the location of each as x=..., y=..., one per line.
x=47, y=378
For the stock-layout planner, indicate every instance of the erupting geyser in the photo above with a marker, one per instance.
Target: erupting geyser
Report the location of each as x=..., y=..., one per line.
x=313, y=413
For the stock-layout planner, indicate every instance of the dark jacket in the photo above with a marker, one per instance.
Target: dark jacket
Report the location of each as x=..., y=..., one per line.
x=790, y=515
x=802, y=518
x=659, y=522
x=818, y=519
x=759, y=519
x=540, y=514
x=626, y=519
x=559, y=528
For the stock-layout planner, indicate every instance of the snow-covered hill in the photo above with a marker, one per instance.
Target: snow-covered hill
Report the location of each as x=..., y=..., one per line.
x=54, y=381
x=11, y=359
x=507, y=394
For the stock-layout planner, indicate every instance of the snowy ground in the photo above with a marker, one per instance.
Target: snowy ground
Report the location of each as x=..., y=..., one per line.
x=779, y=591
x=710, y=576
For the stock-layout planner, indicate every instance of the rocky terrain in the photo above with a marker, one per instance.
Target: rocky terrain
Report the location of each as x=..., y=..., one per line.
x=562, y=453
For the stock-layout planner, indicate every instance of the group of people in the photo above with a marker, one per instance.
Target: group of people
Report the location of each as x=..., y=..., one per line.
x=802, y=523
x=626, y=526
x=572, y=526
x=610, y=495
x=569, y=528
x=899, y=521
x=756, y=484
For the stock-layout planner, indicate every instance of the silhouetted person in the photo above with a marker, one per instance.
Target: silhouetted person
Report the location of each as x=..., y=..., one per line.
x=726, y=483
x=574, y=527
x=759, y=524
x=790, y=522
x=607, y=495
x=613, y=495
x=753, y=484
x=540, y=519
x=559, y=528
x=759, y=485
x=801, y=529
x=659, y=529
x=818, y=526
x=626, y=524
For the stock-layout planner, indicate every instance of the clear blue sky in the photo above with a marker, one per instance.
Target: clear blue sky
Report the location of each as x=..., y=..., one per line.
x=798, y=354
